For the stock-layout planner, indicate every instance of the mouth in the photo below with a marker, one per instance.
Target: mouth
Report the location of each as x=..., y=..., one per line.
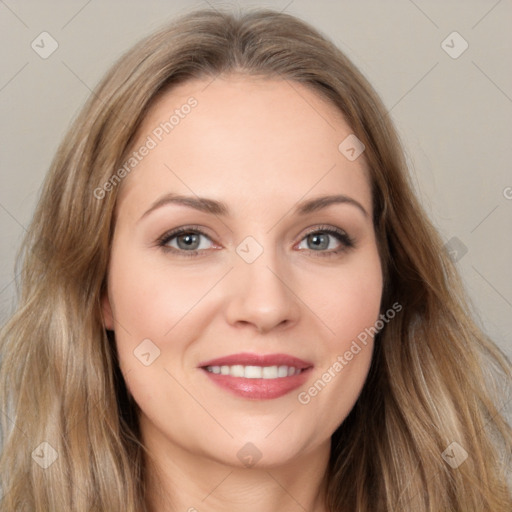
x=259, y=377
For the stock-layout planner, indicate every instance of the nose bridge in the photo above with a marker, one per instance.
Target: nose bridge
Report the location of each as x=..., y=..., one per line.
x=260, y=293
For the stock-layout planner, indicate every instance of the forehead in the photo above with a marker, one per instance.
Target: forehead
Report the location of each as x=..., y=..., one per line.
x=247, y=141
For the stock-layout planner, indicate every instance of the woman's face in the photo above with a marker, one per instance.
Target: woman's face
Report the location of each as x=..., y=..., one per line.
x=242, y=337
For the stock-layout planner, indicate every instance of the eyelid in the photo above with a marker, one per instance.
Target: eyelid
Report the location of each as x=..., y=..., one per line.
x=323, y=228
x=175, y=232
x=346, y=241
x=182, y=229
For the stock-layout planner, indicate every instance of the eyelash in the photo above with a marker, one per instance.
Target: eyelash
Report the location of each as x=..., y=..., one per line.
x=346, y=241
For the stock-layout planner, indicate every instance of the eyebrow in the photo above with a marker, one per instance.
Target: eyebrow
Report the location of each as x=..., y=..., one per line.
x=214, y=207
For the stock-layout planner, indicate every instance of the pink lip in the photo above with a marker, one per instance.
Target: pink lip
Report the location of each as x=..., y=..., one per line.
x=259, y=389
x=247, y=359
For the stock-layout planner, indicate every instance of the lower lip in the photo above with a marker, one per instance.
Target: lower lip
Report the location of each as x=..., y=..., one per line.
x=259, y=389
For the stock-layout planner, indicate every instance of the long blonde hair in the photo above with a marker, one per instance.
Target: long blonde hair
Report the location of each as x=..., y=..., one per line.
x=69, y=426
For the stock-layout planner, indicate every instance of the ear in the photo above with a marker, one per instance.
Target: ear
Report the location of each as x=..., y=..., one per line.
x=106, y=309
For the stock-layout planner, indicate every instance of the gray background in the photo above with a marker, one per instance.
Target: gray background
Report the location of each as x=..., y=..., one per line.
x=454, y=114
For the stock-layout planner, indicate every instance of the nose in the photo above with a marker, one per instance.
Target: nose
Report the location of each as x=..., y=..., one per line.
x=261, y=295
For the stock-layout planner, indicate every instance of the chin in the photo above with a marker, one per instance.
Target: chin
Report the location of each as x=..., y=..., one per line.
x=263, y=453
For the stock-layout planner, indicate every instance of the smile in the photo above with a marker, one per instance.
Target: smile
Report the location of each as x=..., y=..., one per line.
x=257, y=377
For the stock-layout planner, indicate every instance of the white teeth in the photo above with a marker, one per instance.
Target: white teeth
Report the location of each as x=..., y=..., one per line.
x=282, y=371
x=236, y=371
x=255, y=372
x=269, y=372
x=252, y=372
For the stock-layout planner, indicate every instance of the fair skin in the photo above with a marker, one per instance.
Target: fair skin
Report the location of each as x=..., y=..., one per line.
x=262, y=148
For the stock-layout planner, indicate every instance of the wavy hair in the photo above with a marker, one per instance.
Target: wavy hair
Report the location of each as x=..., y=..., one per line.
x=434, y=376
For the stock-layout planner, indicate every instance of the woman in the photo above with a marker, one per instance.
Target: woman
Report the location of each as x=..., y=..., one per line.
x=231, y=298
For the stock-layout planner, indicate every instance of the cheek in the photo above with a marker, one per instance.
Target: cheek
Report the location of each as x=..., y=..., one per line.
x=151, y=305
x=350, y=306
x=150, y=299
x=349, y=301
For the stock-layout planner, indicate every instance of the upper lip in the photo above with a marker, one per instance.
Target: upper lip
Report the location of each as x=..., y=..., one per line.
x=248, y=359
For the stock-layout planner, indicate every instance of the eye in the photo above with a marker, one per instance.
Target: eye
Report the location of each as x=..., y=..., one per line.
x=327, y=241
x=192, y=241
x=188, y=241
